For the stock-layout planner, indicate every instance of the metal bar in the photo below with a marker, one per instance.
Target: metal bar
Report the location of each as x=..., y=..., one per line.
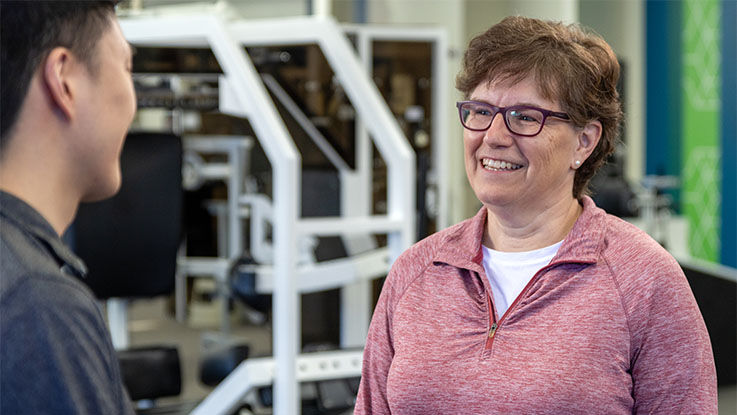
x=216, y=143
x=259, y=372
x=261, y=212
x=220, y=171
x=254, y=103
x=297, y=30
x=384, y=130
x=365, y=97
x=438, y=38
x=320, y=141
x=180, y=297
x=327, y=275
x=180, y=287
x=323, y=7
x=117, y=313
x=357, y=200
x=389, y=32
x=285, y=161
x=325, y=226
x=204, y=267
x=224, y=399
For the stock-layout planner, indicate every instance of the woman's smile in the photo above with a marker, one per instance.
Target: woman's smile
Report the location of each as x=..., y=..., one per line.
x=499, y=165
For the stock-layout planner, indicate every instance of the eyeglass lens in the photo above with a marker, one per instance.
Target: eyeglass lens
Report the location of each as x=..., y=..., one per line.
x=523, y=121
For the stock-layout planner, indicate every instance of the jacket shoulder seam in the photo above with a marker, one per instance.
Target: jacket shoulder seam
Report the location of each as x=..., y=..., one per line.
x=621, y=302
x=411, y=280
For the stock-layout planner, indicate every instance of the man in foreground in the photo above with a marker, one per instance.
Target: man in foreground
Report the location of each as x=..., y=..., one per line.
x=67, y=103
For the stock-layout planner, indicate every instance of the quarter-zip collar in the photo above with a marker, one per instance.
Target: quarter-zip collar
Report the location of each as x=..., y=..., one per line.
x=27, y=218
x=462, y=247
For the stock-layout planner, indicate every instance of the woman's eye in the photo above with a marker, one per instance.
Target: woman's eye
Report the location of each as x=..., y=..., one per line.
x=525, y=117
x=480, y=111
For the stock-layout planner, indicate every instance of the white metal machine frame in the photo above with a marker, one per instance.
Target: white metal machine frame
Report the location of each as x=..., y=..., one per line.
x=259, y=372
x=354, y=320
x=365, y=35
x=243, y=94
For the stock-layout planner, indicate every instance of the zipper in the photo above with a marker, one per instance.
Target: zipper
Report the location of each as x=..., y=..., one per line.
x=495, y=325
x=492, y=331
x=492, y=323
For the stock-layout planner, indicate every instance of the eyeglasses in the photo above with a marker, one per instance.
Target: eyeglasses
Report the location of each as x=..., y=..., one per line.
x=521, y=120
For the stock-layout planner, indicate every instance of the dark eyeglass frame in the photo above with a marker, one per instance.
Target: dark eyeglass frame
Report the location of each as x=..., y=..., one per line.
x=503, y=110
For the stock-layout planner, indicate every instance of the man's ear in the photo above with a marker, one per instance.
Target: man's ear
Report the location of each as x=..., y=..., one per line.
x=588, y=138
x=57, y=76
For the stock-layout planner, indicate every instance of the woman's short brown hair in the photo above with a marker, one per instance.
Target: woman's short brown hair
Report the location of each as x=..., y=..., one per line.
x=570, y=65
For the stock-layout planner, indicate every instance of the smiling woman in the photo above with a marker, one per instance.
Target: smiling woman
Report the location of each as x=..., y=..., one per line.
x=541, y=303
x=536, y=198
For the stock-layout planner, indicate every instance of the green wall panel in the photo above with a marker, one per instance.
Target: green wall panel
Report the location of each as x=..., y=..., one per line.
x=701, y=126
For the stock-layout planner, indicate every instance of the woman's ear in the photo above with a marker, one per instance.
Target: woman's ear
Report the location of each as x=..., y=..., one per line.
x=588, y=138
x=57, y=77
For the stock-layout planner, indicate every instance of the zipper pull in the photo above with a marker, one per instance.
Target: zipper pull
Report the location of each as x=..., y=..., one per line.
x=492, y=331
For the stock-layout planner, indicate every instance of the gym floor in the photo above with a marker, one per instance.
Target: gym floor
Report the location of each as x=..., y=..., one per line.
x=151, y=323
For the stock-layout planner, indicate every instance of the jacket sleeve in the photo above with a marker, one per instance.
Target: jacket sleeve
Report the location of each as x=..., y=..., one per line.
x=379, y=351
x=671, y=358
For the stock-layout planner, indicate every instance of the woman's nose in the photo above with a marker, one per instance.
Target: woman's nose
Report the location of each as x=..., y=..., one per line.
x=497, y=135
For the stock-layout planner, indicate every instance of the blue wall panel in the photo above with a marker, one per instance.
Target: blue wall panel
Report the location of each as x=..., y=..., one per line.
x=729, y=134
x=663, y=95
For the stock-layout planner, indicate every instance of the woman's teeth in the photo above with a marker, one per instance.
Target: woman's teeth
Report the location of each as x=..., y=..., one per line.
x=499, y=165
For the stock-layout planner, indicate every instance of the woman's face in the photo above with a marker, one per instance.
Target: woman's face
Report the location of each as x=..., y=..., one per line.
x=507, y=171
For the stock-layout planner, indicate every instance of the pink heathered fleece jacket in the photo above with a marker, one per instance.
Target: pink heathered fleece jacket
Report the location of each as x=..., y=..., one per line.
x=610, y=326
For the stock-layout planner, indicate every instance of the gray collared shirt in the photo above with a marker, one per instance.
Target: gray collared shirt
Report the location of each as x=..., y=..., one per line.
x=56, y=356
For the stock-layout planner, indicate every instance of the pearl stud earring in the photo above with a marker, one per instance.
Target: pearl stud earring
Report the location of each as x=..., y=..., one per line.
x=578, y=163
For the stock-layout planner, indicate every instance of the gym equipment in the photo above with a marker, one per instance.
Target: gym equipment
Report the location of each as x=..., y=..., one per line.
x=129, y=243
x=242, y=93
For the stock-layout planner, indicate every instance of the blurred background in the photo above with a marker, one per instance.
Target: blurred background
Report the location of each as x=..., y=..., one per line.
x=285, y=151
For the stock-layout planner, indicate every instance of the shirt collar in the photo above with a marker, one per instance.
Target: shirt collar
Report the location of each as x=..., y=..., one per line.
x=461, y=247
x=30, y=220
x=585, y=241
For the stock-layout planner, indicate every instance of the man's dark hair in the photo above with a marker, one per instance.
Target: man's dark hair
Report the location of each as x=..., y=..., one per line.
x=30, y=30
